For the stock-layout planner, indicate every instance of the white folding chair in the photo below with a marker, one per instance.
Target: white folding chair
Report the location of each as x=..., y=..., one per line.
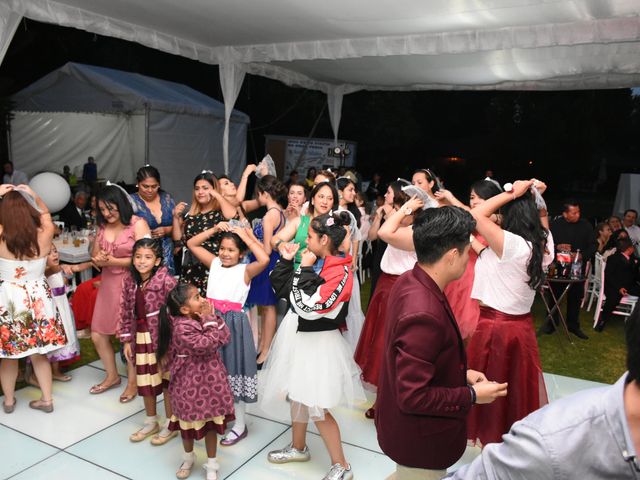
x=594, y=280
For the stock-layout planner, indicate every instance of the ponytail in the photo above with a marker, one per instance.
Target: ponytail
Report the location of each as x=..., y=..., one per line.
x=164, y=333
x=176, y=298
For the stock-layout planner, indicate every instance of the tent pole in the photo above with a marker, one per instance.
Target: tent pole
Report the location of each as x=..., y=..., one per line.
x=146, y=134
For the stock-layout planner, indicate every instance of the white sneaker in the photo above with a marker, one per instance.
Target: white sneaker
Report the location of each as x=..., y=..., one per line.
x=338, y=472
x=289, y=454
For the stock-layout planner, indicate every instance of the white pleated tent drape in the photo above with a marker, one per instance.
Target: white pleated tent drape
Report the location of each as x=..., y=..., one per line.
x=339, y=47
x=231, y=78
x=9, y=21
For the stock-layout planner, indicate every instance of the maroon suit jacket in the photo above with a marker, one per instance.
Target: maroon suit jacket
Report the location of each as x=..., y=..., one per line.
x=423, y=397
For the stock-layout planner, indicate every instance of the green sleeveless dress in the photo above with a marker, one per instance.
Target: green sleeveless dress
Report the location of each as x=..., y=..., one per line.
x=301, y=239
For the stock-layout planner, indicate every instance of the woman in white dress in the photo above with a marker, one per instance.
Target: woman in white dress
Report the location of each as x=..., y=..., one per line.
x=30, y=325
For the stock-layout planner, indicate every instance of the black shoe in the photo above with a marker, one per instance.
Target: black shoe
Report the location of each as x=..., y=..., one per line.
x=579, y=333
x=599, y=327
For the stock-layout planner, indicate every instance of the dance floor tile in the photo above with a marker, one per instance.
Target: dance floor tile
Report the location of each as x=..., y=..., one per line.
x=19, y=451
x=559, y=386
x=143, y=460
x=67, y=467
x=365, y=464
x=77, y=414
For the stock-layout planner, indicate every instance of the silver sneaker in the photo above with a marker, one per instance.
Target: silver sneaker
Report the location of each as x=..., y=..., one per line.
x=290, y=454
x=338, y=472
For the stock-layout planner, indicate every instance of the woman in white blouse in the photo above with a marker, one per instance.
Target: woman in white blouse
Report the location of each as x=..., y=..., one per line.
x=507, y=275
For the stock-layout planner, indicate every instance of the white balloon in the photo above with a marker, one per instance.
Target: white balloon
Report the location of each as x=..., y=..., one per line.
x=52, y=189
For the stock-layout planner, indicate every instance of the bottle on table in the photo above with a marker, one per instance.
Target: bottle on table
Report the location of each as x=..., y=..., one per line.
x=576, y=266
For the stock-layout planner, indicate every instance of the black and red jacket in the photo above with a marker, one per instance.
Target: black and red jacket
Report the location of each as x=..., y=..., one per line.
x=321, y=301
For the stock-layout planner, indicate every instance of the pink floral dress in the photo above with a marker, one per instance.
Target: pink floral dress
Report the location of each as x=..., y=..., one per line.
x=29, y=320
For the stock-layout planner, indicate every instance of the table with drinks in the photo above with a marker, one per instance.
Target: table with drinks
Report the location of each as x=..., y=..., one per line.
x=565, y=270
x=73, y=247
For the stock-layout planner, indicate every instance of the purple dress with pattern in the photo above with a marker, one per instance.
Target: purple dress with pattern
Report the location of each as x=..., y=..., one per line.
x=200, y=394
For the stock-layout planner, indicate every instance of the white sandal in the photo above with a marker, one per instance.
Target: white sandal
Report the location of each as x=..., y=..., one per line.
x=188, y=459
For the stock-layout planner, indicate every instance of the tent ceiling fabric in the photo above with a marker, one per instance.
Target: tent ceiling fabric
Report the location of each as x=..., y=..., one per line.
x=414, y=44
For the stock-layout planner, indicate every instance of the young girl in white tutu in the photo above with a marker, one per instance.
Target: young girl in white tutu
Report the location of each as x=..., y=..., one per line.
x=310, y=368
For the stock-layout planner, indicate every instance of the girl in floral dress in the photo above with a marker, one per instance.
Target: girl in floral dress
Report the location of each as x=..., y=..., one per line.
x=227, y=290
x=30, y=325
x=201, y=398
x=70, y=352
x=144, y=292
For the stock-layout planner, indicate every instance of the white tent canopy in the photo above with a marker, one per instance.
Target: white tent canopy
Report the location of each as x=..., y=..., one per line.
x=340, y=47
x=124, y=120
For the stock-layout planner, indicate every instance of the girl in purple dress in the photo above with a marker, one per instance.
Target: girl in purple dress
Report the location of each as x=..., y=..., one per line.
x=201, y=398
x=144, y=292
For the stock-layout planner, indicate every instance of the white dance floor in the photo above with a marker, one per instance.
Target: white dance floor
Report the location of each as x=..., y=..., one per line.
x=86, y=437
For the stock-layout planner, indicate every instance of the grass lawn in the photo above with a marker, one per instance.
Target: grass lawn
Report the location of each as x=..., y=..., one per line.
x=601, y=358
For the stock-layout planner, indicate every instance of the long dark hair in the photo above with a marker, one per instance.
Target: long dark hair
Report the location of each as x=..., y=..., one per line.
x=176, y=299
x=485, y=189
x=153, y=245
x=112, y=195
x=342, y=183
x=521, y=217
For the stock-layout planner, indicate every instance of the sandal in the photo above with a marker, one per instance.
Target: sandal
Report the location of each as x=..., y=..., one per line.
x=61, y=378
x=127, y=398
x=140, y=435
x=227, y=441
x=160, y=439
x=45, y=406
x=10, y=408
x=101, y=388
x=188, y=459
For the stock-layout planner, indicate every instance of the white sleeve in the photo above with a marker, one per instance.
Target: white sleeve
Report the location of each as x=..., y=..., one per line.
x=513, y=247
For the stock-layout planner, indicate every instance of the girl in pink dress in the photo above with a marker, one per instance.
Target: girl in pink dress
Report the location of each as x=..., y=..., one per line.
x=201, y=397
x=118, y=229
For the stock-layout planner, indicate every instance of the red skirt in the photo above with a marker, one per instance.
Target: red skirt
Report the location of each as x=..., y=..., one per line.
x=505, y=349
x=371, y=344
x=466, y=310
x=83, y=302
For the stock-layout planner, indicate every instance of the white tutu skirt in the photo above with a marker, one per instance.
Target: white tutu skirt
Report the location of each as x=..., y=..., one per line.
x=307, y=373
x=355, y=317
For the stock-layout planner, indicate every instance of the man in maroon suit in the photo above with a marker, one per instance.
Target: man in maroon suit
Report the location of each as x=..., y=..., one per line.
x=425, y=389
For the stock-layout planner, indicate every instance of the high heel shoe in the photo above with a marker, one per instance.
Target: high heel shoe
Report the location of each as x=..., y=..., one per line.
x=44, y=405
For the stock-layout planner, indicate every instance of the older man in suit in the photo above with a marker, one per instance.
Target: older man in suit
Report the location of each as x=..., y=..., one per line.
x=425, y=389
